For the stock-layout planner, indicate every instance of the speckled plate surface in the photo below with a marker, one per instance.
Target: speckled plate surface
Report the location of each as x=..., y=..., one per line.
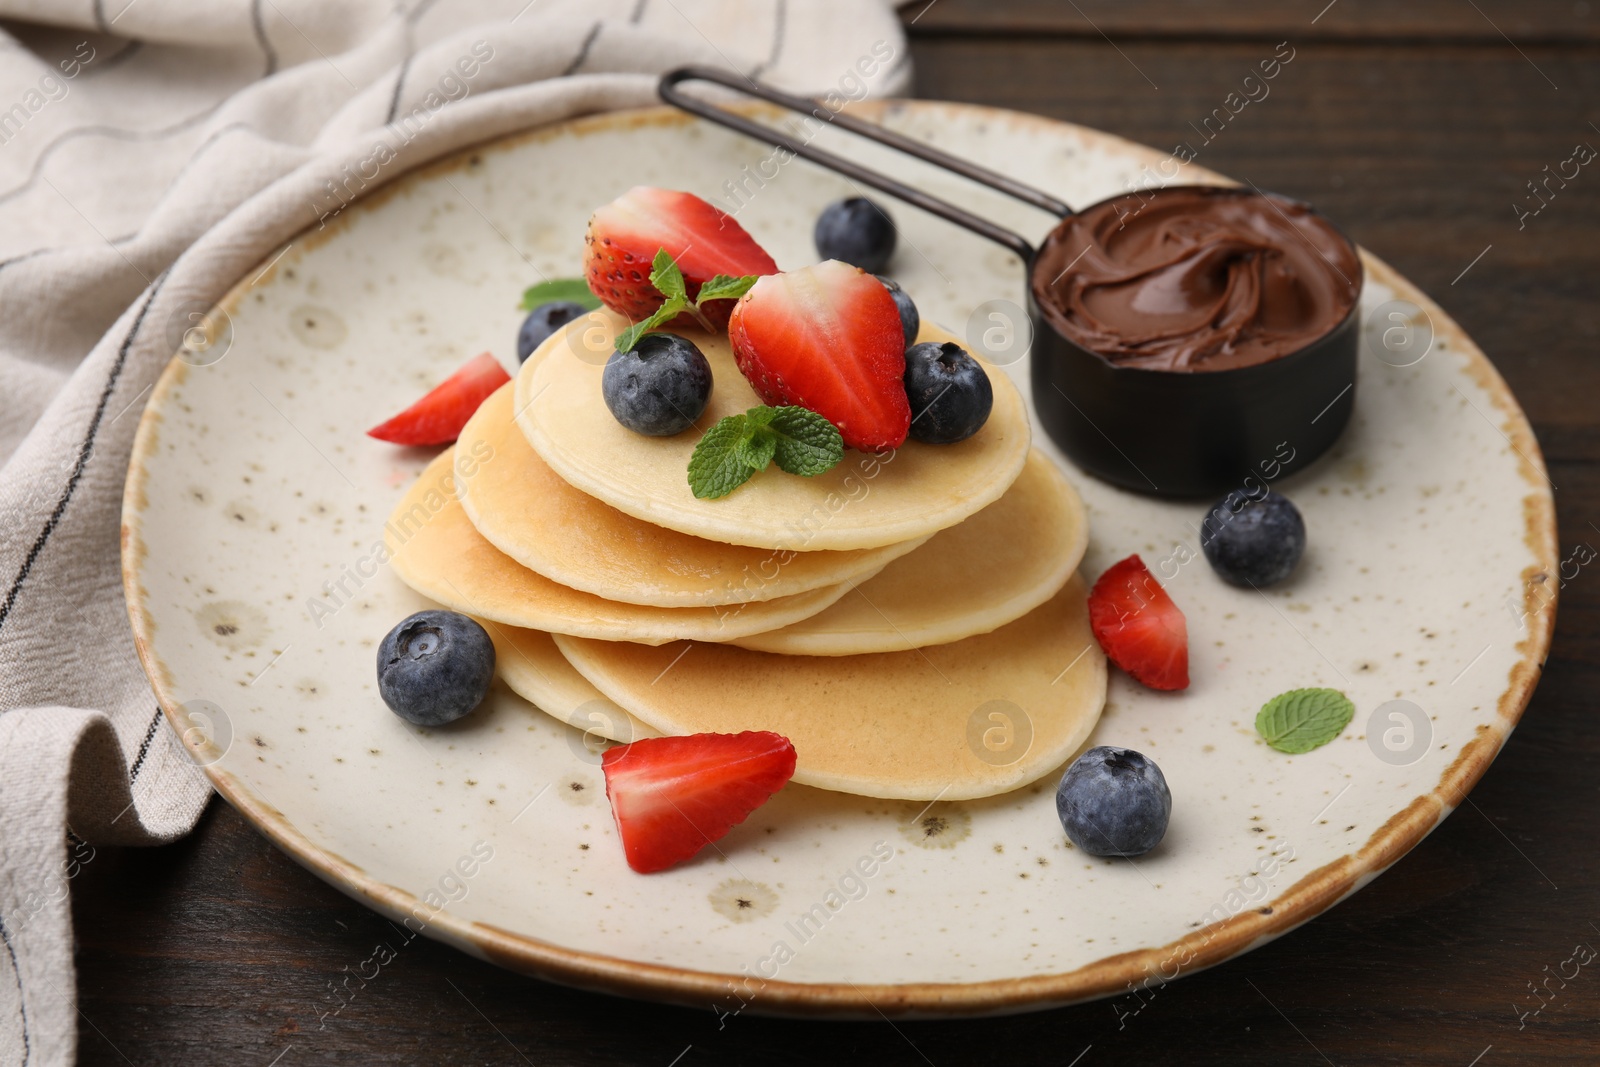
x=253, y=514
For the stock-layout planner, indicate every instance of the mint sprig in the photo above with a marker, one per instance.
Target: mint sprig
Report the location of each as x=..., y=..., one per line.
x=724, y=287
x=717, y=468
x=799, y=440
x=1303, y=719
x=805, y=443
x=573, y=289
x=668, y=280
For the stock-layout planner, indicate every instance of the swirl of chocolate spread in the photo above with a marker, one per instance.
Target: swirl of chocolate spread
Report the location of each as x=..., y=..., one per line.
x=1191, y=278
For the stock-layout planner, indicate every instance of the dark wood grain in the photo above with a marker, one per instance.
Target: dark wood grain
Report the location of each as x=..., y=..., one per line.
x=220, y=949
x=1522, y=21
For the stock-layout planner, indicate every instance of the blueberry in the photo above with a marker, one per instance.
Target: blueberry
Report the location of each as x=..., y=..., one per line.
x=949, y=392
x=435, y=667
x=1114, y=802
x=1253, y=542
x=659, y=386
x=910, y=319
x=543, y=321
x=856, y=231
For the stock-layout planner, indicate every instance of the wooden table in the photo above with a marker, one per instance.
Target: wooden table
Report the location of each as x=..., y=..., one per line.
x=1417, y=127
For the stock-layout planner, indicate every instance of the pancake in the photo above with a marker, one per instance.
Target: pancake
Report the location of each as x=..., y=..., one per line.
x=969, y=719
x=527, y=511
x=867, y=501
x=437, y=551
x=969, y=579
x=529, y=662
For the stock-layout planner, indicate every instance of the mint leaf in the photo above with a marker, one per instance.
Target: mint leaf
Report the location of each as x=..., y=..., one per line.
x=717, y=466
x=1303, y=719
x=663, y=314
x=573, y=289
x=725, y=287
x=738, y=446
x=756, y=446
x=667, y=278
x=807, y=443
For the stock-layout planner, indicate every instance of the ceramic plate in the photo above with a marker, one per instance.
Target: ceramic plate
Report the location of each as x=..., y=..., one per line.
x=255, y=505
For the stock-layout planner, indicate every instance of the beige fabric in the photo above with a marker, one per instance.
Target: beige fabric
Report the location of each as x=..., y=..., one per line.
x=151, y=153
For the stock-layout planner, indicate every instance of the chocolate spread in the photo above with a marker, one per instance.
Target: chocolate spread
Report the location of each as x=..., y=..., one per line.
x=1195, y=279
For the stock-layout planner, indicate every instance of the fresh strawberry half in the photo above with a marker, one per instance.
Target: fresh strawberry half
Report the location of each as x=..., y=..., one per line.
x=437, y=418
x=1139, y=626
x=672, y=796
x=828, y=338
x=625, y=235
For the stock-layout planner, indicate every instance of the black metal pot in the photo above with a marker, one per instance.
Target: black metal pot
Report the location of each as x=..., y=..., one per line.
x=1165, y=433
x=1179, y=434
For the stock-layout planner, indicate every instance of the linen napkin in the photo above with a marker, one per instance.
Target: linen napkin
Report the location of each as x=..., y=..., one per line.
x=151, y=153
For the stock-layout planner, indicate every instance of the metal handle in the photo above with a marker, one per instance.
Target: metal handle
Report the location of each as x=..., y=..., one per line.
x=981, y=226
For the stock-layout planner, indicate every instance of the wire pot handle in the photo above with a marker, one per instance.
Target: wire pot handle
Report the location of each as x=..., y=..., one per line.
x=672, y=94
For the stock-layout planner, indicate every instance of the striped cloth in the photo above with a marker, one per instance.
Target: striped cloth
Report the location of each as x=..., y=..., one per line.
x=152, y=152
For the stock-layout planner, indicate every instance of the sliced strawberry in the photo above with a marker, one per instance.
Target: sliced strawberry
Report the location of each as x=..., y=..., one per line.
x=827, y=338
x=1139, y=626
x=437, y=418
x=625, y=235
x=672, y=796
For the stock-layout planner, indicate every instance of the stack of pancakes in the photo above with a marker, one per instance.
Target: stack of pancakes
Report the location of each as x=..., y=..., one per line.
x=911, y=621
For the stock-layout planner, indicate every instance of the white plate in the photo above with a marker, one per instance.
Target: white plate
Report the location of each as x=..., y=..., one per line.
x=1429, y=578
